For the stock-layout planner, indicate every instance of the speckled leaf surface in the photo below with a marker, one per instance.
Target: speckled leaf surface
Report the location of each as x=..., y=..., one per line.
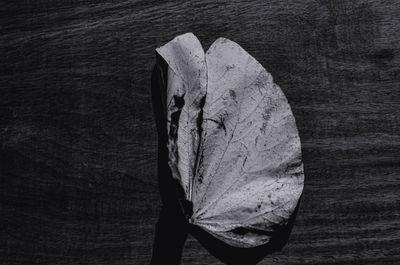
x=185, y=94
x=238, y=153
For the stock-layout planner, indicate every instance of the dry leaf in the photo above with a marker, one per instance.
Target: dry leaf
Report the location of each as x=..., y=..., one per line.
x=233, y=141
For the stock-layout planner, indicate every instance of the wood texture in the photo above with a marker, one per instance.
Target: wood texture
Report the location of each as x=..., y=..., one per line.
x=78, y=140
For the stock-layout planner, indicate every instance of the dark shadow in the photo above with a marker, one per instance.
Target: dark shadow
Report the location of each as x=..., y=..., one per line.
x=171, y=228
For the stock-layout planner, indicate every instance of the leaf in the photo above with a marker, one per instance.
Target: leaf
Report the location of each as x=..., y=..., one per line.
x=238, y=153
x=186, y=90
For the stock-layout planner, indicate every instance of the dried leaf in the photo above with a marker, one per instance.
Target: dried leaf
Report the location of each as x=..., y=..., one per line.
x=237, y=153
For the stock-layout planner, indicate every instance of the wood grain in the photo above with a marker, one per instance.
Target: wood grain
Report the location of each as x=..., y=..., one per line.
x=78, y=140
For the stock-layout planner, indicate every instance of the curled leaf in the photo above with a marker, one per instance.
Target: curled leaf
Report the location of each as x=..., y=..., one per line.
x=233, y=142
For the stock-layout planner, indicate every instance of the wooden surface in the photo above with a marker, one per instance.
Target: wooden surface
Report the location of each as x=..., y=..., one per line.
x=78, y=140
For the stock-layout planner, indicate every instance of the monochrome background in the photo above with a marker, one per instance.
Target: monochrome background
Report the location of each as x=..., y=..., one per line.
x=78, y=149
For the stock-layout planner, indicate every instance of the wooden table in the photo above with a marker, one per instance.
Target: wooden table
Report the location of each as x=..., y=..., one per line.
x=78, y=140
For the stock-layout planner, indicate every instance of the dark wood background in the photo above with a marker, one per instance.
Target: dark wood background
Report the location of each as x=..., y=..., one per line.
x=78, y=140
